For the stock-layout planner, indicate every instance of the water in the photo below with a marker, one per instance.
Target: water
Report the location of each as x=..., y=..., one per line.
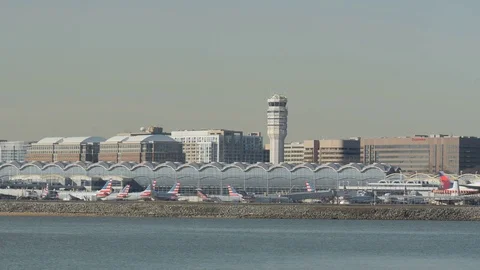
x=153, y=243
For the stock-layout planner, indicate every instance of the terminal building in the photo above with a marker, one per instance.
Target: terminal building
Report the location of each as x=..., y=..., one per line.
x=220, y=145
x=424, y=153
x=213, y=177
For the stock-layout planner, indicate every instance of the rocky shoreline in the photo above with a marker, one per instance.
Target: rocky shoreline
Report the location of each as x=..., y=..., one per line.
x=258, y=211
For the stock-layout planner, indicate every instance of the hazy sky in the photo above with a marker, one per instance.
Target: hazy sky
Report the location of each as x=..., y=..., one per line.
x=349, y=68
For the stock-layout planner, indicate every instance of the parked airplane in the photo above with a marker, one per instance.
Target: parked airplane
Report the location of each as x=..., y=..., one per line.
x=20, y=194
x=171, y=195
x=233, y=196
x=310, y=194
x=204, y=197
x=118, y=196
x=87, y=195
x=48, y=194
x=475, y=186
x=145, y=195
x=456, y=189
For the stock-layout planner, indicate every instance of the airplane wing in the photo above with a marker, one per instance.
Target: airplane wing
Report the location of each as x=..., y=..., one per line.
x=471, y=186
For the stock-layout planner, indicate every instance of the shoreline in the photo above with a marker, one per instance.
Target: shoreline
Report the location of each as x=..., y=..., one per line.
x=239, y=211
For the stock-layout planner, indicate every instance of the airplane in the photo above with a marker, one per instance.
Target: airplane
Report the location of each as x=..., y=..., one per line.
x=48, y=194
x=117, y=196
x=145, y=195
x=105, y=191
x=204, y=197
x=456, y=189
x=475, y=185
x=309, y=188
x=310, y=194
x=233, y=196
x=171, y=195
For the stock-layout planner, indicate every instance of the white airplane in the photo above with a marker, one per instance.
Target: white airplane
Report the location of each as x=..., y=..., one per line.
x=475, y=186
x=87, y=195
x=117, y=196
x=456, y=189
x=233, y=196
x=145, y=195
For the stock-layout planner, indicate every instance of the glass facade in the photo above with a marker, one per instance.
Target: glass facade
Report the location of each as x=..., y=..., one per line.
x=214, y=177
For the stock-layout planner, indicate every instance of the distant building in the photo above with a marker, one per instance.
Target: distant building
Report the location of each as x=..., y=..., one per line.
x=70, y=149
x=219, y=145
x=424, y=153
x=253, y=147
x=13, y=150
x=339, y=151
x=266, y=153
x=141, y=148
x=323, y=151
x=149, y=145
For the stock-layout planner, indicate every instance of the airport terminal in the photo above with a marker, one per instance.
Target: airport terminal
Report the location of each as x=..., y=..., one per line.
x=219, y=161
x=214, y=177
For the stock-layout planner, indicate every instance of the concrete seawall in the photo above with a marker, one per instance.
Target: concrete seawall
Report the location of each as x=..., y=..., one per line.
x=266, y=211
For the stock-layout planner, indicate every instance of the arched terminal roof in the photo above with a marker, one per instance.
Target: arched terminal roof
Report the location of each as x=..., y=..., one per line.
x=201, y=166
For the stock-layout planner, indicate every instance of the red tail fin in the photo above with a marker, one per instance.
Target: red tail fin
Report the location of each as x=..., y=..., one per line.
x=445, y=180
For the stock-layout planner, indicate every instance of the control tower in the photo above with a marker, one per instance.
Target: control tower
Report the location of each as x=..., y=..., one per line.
x=277, y=126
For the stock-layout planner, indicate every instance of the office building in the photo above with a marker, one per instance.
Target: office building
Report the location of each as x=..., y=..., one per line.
x=13, y=150
x=294, y=152
x=277, y=115
x=219, y=145
x=141, y=148
x=424, y=153
x=266, y=153
x=339, y=151
x=253, y=147
x=323, y=151
x=69, y=149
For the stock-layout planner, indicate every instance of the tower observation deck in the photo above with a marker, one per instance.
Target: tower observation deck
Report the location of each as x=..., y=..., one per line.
x=277, y=126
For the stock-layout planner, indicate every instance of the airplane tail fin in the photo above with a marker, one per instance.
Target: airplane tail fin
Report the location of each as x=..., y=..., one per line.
x=148, y=191
x=445, y=180
x=175, y=189
x=201, y=195
x=107, y=187
x=44, y=192
x=456, y=187
x=126, y=189
x=124, y=192
x=233, y=192
x=309, y=188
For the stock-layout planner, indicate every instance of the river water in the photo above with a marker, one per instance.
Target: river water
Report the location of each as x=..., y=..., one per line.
x=158, y=243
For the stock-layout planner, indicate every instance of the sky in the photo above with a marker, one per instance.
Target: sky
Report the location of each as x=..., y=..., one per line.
x=348, y=68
